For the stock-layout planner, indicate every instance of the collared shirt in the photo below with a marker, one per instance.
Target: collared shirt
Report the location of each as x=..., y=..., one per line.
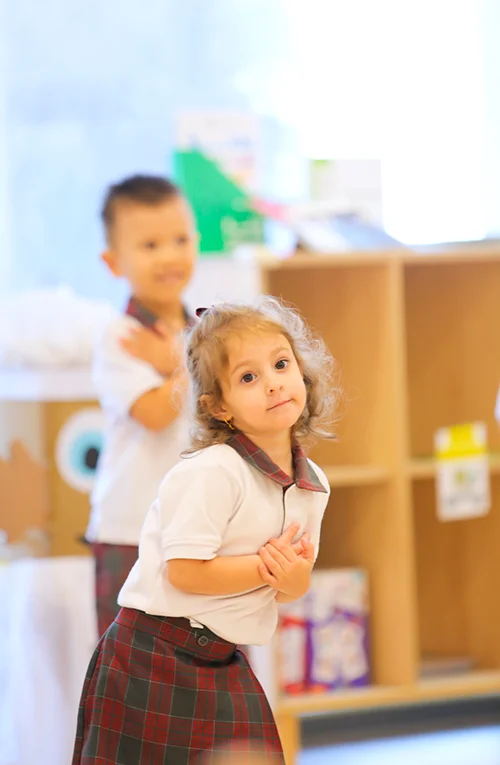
x=146, y=317
x=228, y=499
x=134, y=460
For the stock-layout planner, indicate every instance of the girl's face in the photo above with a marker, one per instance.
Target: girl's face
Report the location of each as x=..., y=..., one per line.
x=263, y=391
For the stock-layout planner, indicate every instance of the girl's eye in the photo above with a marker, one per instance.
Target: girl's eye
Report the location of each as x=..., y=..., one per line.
x=282, y=364
x=248, y=377
x=151, y=245
x=181, y=240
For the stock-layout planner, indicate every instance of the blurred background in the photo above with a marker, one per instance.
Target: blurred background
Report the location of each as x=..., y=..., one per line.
x=361, y=139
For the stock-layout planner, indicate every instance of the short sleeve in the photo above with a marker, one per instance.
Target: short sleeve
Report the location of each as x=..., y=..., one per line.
x=119, y=378
x=317, y=512
x=195, y=506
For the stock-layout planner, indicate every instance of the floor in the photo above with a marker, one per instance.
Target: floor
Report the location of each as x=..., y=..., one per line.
x=476, y=746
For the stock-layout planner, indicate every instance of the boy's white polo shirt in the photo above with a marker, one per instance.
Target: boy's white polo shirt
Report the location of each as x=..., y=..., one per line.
x=224, y=500
x=134, y=460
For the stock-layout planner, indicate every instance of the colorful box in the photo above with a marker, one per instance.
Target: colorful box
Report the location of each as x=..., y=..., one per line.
x=323, y=637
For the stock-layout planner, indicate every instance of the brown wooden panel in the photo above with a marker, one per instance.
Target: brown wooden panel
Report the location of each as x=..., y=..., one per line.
x=69, y=508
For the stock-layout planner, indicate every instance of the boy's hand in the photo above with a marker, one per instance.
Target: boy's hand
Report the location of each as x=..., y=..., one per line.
x=161, y=349
x=283, y=569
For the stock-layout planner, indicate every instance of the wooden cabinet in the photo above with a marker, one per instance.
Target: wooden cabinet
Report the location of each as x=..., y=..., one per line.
x=60, y=401
x=417, y=339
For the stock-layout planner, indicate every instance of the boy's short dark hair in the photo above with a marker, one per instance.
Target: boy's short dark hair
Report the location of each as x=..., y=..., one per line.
x=143, y=189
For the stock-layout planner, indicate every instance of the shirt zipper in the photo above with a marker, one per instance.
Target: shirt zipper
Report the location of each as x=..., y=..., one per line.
x=285, y=488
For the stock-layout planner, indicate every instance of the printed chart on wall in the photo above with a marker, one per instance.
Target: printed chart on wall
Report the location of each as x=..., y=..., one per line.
x=216, y=164
x=463, y=480
x=230, y=138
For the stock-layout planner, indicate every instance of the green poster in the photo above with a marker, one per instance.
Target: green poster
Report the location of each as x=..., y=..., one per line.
x=223, y=210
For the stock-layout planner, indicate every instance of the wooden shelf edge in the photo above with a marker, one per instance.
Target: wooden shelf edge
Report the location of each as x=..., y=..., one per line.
x=435, y=255
x=421, y=468
x=470, y=253
x=355, y=475
x=307, y=260
x=478, y=683
x=425, y=467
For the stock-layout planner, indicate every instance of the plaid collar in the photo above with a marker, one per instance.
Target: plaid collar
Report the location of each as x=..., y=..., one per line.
x=305, y=477
x=146, y=317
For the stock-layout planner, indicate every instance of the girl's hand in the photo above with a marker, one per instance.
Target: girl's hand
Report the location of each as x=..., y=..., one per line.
x=303, y=547
x=285, y=570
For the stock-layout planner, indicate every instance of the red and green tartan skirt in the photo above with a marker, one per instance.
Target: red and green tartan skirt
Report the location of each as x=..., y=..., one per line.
x=112, y=566
x=161, y=692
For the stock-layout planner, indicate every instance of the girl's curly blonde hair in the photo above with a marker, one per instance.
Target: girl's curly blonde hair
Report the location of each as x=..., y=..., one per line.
x=207, y=357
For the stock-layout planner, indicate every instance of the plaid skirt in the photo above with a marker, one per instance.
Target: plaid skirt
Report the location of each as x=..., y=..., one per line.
x=160, y=692
x=112, y=566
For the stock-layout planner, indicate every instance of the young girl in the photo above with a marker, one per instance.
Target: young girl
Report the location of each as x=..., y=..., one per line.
x=234, y=531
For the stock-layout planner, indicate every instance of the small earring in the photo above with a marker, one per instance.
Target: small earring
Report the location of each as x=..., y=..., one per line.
x=229, y=424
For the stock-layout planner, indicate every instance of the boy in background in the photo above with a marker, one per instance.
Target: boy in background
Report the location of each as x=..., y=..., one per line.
x=151, y=243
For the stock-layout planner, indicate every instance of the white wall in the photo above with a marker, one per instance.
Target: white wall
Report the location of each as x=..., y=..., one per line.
x=5, y=239
x=491, y=64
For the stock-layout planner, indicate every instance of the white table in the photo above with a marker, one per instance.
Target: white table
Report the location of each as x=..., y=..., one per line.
x=47, y=634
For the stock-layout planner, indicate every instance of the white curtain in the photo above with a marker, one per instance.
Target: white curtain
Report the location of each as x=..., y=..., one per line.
x=402, y=81
x=48, y=632
x=5, y=240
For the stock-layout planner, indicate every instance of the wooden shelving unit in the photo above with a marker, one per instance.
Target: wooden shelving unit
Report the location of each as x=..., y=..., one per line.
x=356, y=475
x=481, y=683
x=417, y=339
x=425, y=468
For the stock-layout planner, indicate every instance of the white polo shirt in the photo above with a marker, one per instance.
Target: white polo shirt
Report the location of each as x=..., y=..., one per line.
x=134, y=460
x=225, y=500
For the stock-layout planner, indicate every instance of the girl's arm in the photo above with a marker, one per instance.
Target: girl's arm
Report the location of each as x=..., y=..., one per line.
x=223, y=575
x=220, y=576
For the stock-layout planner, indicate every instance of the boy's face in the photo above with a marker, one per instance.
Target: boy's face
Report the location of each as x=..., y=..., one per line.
x=154, y=248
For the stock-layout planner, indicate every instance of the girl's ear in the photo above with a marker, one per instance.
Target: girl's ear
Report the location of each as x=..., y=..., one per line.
x=217, y=410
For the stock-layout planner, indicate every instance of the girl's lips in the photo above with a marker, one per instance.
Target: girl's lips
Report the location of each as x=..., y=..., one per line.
x=281, y=403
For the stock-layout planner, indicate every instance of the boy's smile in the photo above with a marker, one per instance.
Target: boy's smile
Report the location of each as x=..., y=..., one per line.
x=154, y=248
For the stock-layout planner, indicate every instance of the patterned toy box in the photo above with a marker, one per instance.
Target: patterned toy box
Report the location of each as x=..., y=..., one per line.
x=323, y=637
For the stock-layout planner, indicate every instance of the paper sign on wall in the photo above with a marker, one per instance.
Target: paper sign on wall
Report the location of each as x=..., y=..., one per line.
x=230, y=138
x=463, y=479
x=215, y=164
